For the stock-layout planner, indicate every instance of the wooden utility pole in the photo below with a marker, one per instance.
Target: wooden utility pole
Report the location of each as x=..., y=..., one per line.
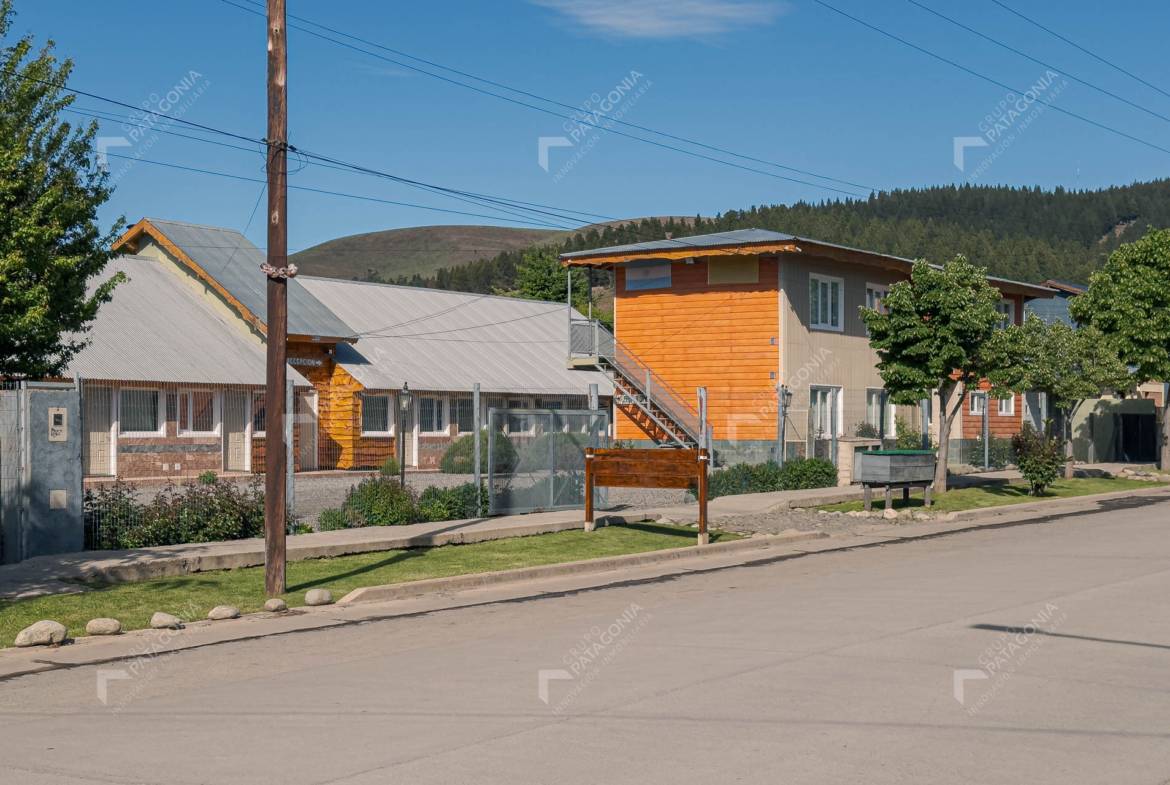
x=278, y=271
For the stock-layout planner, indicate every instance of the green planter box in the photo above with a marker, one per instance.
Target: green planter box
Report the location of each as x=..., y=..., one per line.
x=892, y=467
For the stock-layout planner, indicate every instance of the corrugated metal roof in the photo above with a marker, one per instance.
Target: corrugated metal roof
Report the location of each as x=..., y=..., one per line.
x=229, y=258
x=749, y=236
x=440, y=340
x=736, y=237
x=157, y=329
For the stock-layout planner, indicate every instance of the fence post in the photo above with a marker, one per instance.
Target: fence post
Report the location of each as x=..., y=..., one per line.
x=477, y=424
x=290, y=493
x=491, y=432
x=986, y=432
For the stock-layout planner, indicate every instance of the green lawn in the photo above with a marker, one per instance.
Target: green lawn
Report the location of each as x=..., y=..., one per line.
x=998, y=495
x=191, y=596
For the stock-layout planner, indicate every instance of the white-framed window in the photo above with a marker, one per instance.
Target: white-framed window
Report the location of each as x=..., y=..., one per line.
x=978, y=400
x=432, y=415
x=875, y=296
x=1007, y=312
x=463, y=414
x=826, y=302
x=824, y=412
x=873, y=408
x=1007, y=406
x=259, y=413
x=375, y=414
x=198, y=413
x=140, y=412
x=520, y=423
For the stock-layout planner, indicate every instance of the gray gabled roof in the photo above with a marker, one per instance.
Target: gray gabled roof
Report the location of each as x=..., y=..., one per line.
x=736, y=237
x=157, y=329
x=229, y=258
x=440, y=340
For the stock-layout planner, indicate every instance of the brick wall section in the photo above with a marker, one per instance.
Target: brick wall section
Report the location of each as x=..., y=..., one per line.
x=157, y=456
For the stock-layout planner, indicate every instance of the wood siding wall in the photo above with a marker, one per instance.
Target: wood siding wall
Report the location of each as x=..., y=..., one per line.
x=339, y=416
x=723, y=337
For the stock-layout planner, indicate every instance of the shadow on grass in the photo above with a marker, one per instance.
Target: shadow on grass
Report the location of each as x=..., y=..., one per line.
x=398, y=557
x=648, y=527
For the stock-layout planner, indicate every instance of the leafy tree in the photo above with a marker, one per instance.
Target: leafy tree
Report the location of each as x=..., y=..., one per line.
x=50, y=190
x=937, y=333
x=540, y=276
x=1129, y=301
x=1068, y=364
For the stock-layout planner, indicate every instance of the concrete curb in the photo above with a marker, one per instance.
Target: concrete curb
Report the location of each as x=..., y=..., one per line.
x=398, y=591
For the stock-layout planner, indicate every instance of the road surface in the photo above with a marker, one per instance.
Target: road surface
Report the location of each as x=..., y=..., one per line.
x=1036, y=654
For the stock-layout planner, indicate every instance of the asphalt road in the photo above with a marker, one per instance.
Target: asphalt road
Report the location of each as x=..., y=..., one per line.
x=1037, y=654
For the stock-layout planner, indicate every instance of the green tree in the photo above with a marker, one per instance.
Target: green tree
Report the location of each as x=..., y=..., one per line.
x=540, y=276
x=1129, y=301
x=50, y=189
x=1068, y=364
x=937, y=333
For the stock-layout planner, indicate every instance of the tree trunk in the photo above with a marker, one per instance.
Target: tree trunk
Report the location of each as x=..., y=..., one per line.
x=944, y=431
x=1066, y=434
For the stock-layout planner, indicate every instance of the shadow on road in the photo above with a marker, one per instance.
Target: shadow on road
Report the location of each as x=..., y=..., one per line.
x=1037, y=631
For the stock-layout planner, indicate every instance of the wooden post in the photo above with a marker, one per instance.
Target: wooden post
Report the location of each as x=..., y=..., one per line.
x=589, y=525
x=704, y=538
x=277, y=269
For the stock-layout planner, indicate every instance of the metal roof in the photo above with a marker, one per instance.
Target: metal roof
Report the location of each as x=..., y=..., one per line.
x=440, y=340
x=737, y=237
x=740, y=237
x=158, y=329
x=229, y=258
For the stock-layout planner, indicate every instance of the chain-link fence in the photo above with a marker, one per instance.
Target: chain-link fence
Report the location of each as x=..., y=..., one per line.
x=536, y=457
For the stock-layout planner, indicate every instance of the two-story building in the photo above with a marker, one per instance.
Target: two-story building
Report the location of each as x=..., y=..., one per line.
x=750, y=315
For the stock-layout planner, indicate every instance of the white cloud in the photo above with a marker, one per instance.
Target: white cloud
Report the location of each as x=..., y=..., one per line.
x=666, y=18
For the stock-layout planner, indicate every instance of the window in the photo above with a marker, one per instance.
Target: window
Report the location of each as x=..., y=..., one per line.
x=875, y=296
x=823, y=421
x=430, y=415
x=1007, y=406
x=978, y=401
x=873, y=409
x=138, y=412
x=1007, y=312
x=520, y=423
x=733, y=269
x=826, y=310
x=464, y=414
x=376, y=415
x=647, y=275
x=197, y=413
x=259, y=413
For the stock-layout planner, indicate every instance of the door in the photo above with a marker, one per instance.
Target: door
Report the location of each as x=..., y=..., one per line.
x=306, y=409
x=1139, y=443
x=97, y=442
x=235, y=431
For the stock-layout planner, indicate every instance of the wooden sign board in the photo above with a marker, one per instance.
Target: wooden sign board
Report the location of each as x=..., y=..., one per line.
x=652, y=468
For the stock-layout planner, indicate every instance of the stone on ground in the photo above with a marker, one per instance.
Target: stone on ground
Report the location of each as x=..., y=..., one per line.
x=221, y=612
x=890, y=514
x=275, y=605
x=43, y=633
x=165, y=621
x=318, y=597
x=103, y=627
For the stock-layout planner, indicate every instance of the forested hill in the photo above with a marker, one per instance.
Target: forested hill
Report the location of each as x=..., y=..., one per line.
x=1023, y=233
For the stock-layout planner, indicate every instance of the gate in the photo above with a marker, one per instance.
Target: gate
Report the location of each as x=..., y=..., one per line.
x=536, y=457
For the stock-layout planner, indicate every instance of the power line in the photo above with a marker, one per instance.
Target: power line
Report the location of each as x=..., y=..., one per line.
x=577, y=120
x=1025, y=55
x=309, y=189
x=552, y=101
x=545, y=312
x=989, y=79
x=1077, y=46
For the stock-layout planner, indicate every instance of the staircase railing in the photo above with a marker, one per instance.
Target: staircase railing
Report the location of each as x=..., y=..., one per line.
x=591, y=339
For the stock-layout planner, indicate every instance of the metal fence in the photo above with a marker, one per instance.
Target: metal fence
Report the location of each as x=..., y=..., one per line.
x=536, y=457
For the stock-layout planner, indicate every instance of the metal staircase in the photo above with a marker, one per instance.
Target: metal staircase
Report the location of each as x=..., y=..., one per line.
x=639, y=393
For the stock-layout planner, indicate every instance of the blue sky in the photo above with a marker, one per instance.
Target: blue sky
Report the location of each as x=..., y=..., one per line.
x=788, y=82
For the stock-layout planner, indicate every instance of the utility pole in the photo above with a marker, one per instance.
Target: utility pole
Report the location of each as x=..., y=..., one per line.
x=278, y=271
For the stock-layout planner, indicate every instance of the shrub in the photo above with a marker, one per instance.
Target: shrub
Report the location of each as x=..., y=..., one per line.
x=207, y=512
x=331, y=519
x=1040, y=458
x=390, y=467
x=557, y=490
x=208, y=477
x=1001, y=453
x=380, y=501
x=763, y=477
x=908, y=438
x=460, y=456
x=448, y=504
x=865, y=430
